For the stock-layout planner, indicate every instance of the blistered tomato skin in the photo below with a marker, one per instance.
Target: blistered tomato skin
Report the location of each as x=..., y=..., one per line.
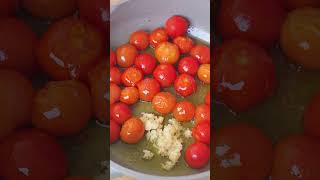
x=201, y=53
x=185, y=85
x=167, y=53
x=114, y=131
x=32, y=155
x=197, y=155
x=176, y=26
x=201, y=132
x=8, y=7
x=115, y=75
x=126, y=55
x=311, y=117
x=202, y=113
x=146, y=63
x=184, y=111
x=164, y=102
x=112, y=58
x=148, y=88
x=244, y=75
x=204, y=73
x=115, y=92
x=184, y=43
x=140, y=39
x=158, y=36
x=132, y=131
x=131, y=76
x=188, y=65
x=165, y=74
x=129, y=95
x=120, y=112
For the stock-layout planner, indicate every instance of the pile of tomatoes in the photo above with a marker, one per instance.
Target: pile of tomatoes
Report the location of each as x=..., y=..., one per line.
x=72, y=54
x=244, y=76
x=136, y=75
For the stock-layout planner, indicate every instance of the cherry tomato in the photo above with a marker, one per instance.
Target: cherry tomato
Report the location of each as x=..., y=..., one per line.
x=176, y=26
x=148, y=88
x=8, y=7
x=113, y=58
x=197, y=155
x=185, y=85
x=115, y=75
x=201, y=53
x=164, y=102
x=296, y=157
x=62, y=108
x=184, y=111
x=238, y=148
x=140, y=39
x=120, y=112
x=126, y=55
x=158, y=36
x=78, y=178
x=114, y=131
x=98, y=86
x=30, y=154
x=184, y=43
x=131, y=76
x=201, y=132
x=202, y=113
x=132, y=131
x=115, y=92
x=50, y=9
x=294, y=4
x=207, y=99
x=165, y=74
x=17, y=44
x=246, y=19
x=146, y=63
x=204, y=73
x=299, y=37
x=167, y=53
x=188, y=65
x=244, y=75
x=311, y=117
x=96, y=12
x=16, y=94
x=70, y=48
x=129, y=95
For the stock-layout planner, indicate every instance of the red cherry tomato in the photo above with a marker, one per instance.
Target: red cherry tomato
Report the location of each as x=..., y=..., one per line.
x=148, y=88
x=201, y=132
x=188, y=65
x=167, y=53
x=197, y=155
x=126, y=54
x=184, y=111
x=207, y=99
x=164, y=102
x=132, y=131
x=114, y=93
x=115, y=75
x=158, y=36
x=185, y=85
x=8, y=7
x=114, y=131
x=131, y=76
x=246, y=19
x=202, y=113
x=176, y=26
x=184, y=43
x=202, y=53
x=32, y=155
x=129, y=95
x=311, y=117
x=165, y=74
x=140, y=39
x=244, y=75
x=146, y=63
x=120, y=112
x=113, y=58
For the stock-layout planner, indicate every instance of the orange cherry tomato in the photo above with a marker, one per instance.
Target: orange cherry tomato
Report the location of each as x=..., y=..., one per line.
x=294, y=4
x=202, y=113
x=126, y=54
x=158, y=36
x=16, y=94
x=207, y=98
x=50, y=9
x=167, y=53
x=140, y=39
x=204, y=73
x=8, y=7
x=78, y=178
x=164, y=102
x=115, y=75
x=62, y=108
x=202, y=53
x=296, y=157
x=311, y=117
x=132, y=131
x=114, y=131
x=131, y=76
x=184, y=43
x=70, y=48
x=148, y=88
x=129, y=95
x=238, y=149
x=184, y=111
x=299, y=37
x=115, y=92
x=17, y=44
x=30, y=154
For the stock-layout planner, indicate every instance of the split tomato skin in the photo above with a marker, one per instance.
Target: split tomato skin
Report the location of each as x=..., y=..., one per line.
x=204, y=73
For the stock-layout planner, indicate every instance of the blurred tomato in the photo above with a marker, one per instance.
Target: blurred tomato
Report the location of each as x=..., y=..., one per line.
x=115, y=75
x=184, y=111
x=114, y=131
x=207, y=98
x=201, y=53
x=204, y=73
x=201, y=132
x=115, y=92
x=202, y=113
x=184, y=43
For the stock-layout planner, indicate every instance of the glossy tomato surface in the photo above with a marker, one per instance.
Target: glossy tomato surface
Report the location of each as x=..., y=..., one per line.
x=164, y=102
x=201, y=53
x=184, y=111
x=131, y=76
x=115, y=92
x=132, y=131
x=115, y=75
x=197, y=155
x=201, y=132
x=185, y=85
x=165, y=74
x=140, y=39
x=148, y=88
x=146, y=63
x=184, y=43
x=167, y=53
x=158, y=36
x=202, y=113
x=126, y=55
x=120, y=112
x=129, y=95
x=188, y=65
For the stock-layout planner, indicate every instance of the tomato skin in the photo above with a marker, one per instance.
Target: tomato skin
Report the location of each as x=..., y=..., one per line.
x=176, y=26
x=244, y=75
x=148, y=88
x=185, y=85
x=112, y=58
x=115, y=92
x=167, y=53
x=120, y=112
x=207, y=99
x=296, y=157
x=129, y=95
x=131, y=76
x=197, y=155
x=165, y=74
x=115, y=75
x=126, y=55
x=184, y=43
x=132, y=131
x=201, y=53
x=17, y=44
x=164, y=102
x=34, y=150
x=184, y=111
x=158, y=36
x=188, y=65
x=311, y=117
x=202, y=113
x=140, y=39
x=294, y=4
x=204, y=73
x=201, y=132
x=146, y=63
x=8, y=7
x=114, y=131
x=246, y=19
